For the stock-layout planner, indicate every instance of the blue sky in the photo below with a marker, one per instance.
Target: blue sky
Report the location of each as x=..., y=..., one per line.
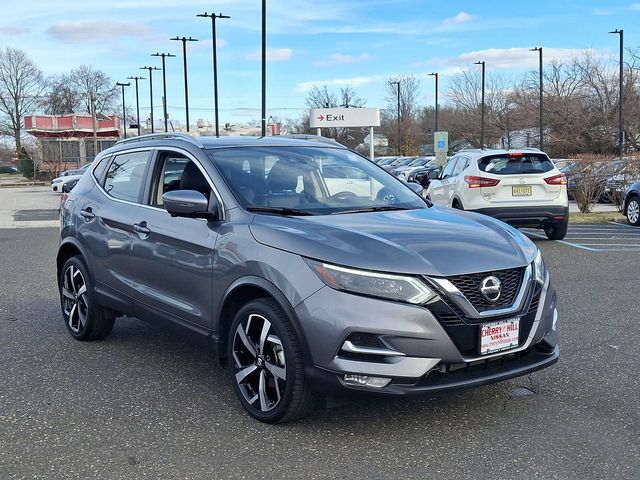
x=335, y=42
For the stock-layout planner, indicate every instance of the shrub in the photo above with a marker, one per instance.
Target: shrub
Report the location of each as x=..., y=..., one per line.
x=587, y=181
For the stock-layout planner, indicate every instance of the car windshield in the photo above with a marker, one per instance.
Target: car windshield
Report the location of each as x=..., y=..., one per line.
x=310, y=181
x=515, y=164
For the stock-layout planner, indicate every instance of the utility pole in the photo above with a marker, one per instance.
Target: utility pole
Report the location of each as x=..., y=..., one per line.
x=436, y=119
x=540, y=121
x=621, y=95
x=184, y=41
x=397, y=84
x=151, y=69
x=213, y=17
x=92, y=99
x=482, y=106
x=264, y=68
x=137, y=100
x=164, y=87
x=124, y=108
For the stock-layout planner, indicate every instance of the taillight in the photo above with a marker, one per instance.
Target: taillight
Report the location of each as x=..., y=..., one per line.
x=560, y=179
x=477, y=182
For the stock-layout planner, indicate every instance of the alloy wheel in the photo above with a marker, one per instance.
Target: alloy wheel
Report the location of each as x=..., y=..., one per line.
x=259, y=361
x=74, y=301
x=633, y=211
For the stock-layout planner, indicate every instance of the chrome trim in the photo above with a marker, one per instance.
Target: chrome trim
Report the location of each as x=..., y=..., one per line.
x=532, y=333
x=348, y=346
x=470, y=311
x=162, y=136
x=153, y=150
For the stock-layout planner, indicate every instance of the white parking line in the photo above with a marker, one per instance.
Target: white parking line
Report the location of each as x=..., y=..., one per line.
x=613, y=237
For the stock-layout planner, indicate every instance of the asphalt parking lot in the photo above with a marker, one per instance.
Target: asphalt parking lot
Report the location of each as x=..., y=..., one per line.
x=151, y=402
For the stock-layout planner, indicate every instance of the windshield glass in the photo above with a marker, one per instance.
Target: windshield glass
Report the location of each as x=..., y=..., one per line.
x=309, y=180
x=515, y=164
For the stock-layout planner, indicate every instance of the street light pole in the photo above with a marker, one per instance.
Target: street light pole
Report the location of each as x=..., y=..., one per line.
x=621, y=98
x=184, y=41
x=397, y=84
x=482, y=106
x=164, y=87
x=436, y=119
x=540, y=121
x=124, y=108
x=151, y=69
x=264, y=68
x=213, y=17
x=137, y=100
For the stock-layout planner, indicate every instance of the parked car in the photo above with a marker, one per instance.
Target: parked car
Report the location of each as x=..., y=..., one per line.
x=424, y=175
x=71, y=175
x=632, y=204
x=520, y=187
x=387, y=161
x=403, y=172
x=301, y=291
x=399, y=162
x=66, y=189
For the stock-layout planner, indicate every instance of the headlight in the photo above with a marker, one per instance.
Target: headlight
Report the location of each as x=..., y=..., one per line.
x=375, y=284
x=540, y=271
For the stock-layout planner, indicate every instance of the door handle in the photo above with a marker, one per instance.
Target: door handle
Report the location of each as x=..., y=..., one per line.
x=141, y=228
x=87, y=214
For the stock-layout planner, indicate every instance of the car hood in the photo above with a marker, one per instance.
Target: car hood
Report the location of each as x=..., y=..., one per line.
x=435, y=241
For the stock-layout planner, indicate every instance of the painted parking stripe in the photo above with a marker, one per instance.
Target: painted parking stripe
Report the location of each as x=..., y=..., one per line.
x=613, y=237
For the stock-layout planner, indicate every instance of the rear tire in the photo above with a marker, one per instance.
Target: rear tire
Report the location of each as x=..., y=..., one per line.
x=557, y=231
x=84, y=317
x=266, y=364
x=632, y=211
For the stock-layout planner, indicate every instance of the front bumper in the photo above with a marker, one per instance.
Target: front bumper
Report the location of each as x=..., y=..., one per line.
x=433, y=355
x=527, y=216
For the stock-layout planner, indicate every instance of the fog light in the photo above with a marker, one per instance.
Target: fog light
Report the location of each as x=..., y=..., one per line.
x=366, y=380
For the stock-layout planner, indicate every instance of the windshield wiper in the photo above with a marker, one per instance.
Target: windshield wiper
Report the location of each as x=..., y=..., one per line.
x=279, y=210
x=380, y=208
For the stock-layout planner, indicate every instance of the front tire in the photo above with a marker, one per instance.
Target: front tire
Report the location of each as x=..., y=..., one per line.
x=557, y=231
x=632, y=211
x=267, y=365
x=84, y=317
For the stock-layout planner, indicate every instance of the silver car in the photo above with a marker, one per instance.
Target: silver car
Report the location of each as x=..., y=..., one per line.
x=303, y=286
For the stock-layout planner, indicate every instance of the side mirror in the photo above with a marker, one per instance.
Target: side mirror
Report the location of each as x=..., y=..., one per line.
x=415, y=187
x=433, y=175
x=190, y=204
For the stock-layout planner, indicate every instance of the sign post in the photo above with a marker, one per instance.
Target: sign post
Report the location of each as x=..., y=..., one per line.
x=345, y=118
x=441, y=147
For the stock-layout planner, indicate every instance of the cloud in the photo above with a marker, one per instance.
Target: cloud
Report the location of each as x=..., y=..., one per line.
x=506, y=58
x=462, y=17
x=96, y=31
x=13, y=31
x=352, y=82
x=635, y=6
x=341, y=59
x=273, y=54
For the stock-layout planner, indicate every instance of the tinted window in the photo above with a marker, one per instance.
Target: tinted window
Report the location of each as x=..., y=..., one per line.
x=461, y=165
x=125, y=176
x=448, y=169
x=515, y=164
x=100, y=168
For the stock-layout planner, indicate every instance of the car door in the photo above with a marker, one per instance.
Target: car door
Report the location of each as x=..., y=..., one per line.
x=105, y=222
x=172, y=257
x=439, y=189
x=457, y=185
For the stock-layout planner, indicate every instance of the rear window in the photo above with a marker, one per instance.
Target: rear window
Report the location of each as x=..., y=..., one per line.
x=515, y=164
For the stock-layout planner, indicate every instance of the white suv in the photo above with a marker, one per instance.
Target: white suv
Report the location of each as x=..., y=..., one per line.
x=520, y=187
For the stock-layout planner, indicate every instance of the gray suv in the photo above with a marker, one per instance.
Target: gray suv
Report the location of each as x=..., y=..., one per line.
x=304, y=283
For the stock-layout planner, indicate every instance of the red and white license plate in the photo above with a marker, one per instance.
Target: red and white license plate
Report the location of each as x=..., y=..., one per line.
x=499, y=336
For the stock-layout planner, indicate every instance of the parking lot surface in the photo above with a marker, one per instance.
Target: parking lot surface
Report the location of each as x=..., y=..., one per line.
x=610, y=237
x=151, y=402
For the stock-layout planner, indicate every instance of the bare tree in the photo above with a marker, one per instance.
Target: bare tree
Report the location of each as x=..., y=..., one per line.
x=21, y=83
x=62, y=97
x=407, y=101
x=88, y=82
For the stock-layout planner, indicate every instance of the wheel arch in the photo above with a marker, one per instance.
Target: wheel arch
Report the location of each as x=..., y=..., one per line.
x=247, y=289
x=69, y=248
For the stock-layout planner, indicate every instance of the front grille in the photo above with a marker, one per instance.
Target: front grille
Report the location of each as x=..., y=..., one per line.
x=469, y=285
x=535, y=300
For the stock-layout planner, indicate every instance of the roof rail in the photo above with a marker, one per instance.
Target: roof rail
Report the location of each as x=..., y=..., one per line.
x=308, y=136
x=166, y=135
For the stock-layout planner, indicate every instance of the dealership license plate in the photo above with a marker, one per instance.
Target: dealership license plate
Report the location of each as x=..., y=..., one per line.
x=521, y=190
x=498, y=336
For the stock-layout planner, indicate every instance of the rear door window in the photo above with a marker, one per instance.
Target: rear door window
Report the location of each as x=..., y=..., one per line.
x=515, y=164
x=125, y=176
